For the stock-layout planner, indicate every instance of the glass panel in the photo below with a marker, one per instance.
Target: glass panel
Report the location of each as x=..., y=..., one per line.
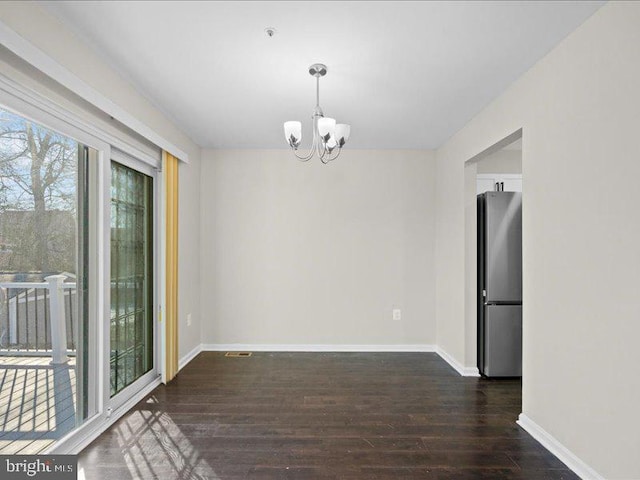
x=131, y=276
x=43, y=287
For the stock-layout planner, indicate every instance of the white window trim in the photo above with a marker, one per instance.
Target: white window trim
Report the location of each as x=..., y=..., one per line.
x=29, y=104
x=43, y=62
x=39, y=104
x=134, y=163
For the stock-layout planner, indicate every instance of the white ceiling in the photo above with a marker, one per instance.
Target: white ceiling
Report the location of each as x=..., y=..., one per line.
x=403, y=74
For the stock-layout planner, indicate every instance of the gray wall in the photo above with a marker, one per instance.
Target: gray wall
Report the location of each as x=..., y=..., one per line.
x=578, y=108
x=502, y=161
x=310, y=254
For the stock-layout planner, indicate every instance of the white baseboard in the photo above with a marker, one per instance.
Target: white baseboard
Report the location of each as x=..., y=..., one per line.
x=457, y=366
x=189, y=356
x=565, y=455
x=223, y=347
x=252, y=347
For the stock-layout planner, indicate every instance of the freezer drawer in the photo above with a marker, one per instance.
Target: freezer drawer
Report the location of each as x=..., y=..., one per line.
x=502, y=341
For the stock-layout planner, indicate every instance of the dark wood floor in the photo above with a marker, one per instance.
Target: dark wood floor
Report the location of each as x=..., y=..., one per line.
x=323, y=415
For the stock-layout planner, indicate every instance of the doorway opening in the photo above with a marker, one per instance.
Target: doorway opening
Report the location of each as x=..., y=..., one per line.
x=493, y=245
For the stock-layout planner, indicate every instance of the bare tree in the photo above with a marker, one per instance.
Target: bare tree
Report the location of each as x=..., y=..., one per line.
x=37, y=193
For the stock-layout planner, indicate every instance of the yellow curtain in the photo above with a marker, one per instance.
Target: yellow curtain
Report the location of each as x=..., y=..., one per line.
x=170, y=169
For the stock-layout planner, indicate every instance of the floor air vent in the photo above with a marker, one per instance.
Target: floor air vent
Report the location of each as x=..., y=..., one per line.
x=237, y=354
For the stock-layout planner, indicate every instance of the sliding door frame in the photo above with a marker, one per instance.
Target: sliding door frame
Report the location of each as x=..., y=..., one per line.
x=15, y=102
x=123, y=396
x=102, y=411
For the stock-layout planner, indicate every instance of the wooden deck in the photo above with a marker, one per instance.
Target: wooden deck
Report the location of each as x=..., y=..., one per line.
x=37, y=403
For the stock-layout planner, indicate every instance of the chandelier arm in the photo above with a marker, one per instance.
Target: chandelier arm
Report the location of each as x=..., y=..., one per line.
x=306, y=158
x=324, y=150
x=337, y=155
x=321, y=153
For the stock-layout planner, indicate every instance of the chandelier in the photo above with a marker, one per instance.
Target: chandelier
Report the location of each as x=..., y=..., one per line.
x=328, y=138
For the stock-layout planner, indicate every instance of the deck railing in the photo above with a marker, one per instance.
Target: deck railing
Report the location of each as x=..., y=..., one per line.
x=38, y=318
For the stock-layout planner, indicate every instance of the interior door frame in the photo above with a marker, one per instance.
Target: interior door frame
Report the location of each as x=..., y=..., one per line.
x=123, y=396
x=470, y=175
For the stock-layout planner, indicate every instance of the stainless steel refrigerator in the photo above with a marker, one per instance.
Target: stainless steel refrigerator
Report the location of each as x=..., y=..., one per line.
x=500, y=284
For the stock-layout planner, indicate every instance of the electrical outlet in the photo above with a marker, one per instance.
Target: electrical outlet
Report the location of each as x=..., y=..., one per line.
x=188, y=319
x=397, y=314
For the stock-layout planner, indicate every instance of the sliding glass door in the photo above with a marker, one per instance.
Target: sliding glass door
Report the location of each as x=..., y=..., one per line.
x=131, y=332
x=78, y=260
x=45, y=312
